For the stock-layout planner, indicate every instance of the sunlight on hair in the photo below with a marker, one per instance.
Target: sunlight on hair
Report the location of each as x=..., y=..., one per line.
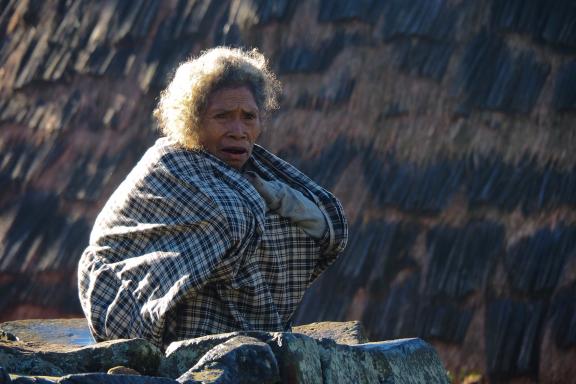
x=182, y=103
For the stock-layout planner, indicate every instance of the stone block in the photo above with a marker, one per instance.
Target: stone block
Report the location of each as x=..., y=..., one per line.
x=240, y=359
x=348, y=332
x=122, y=370
x=348, y=364
x=4, y=376
x=103, y=378
x=19, y=361
x=181, y=356
x=57, y=360
x=409, y=361
x=298, y=358
x=399, y=361
x=31, y=380
x=134, y=353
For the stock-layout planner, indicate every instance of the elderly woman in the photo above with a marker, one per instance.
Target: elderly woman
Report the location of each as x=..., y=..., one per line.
x=209, y=232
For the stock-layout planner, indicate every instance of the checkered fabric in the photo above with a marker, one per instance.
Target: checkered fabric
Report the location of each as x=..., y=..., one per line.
x=185, y=247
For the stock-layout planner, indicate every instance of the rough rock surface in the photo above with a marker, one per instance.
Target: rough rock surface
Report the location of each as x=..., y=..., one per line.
x=239, y=357
x=122, y=370
x=37, y=358
x=4, y=376
x=103, y=378
x=298, y=358
x=446, y=127
x=402, y=356
x=181, y=356
x=349, y=332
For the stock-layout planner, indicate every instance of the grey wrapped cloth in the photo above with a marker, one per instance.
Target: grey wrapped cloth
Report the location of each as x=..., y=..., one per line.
x=291, y=204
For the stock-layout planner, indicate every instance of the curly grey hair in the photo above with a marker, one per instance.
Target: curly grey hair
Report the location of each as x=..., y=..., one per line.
x=184, y=101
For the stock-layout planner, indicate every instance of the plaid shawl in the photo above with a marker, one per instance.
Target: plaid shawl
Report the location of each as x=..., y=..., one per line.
x=185, y=247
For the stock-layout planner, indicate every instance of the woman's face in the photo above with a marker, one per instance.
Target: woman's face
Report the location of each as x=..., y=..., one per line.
x=230, y=125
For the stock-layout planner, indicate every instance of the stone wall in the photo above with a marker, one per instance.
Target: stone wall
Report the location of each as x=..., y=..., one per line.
x=446, y=127
x=319, y=353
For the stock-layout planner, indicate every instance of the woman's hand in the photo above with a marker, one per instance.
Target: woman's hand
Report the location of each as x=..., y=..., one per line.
x=290, y=203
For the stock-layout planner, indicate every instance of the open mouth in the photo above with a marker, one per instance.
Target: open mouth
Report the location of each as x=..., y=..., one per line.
x=234, y=150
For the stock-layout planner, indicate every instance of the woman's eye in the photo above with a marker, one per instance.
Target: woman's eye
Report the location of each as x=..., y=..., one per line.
x=250, y=116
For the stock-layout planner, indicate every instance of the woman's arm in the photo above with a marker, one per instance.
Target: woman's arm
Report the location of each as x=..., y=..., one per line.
x=155, y=242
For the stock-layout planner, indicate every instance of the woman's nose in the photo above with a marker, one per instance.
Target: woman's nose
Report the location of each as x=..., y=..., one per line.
x=237, y=128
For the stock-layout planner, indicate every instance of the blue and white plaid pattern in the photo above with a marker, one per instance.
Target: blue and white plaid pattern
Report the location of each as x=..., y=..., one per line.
x=185, y=248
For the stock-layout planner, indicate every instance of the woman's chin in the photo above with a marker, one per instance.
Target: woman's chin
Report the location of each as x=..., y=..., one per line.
x=235, y=160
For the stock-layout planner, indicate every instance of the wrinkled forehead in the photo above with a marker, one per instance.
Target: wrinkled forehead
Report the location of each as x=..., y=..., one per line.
x=231, y=98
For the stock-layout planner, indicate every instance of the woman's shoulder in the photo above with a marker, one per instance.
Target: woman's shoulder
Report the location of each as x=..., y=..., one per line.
x=165, y=184
x=171, y=156
x=164, y=170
